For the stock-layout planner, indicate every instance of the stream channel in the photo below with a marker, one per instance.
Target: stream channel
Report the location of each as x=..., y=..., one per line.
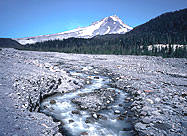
x=79, y=110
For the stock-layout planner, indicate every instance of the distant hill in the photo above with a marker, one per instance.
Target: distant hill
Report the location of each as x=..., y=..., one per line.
x=168, y=29
x=9, y=43
x=171, y=22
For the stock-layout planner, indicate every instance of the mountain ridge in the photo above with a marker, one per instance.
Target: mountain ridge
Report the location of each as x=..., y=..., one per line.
x=108, y=25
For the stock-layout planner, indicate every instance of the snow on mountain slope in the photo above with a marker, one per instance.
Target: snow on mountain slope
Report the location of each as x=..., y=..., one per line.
x=108, y=25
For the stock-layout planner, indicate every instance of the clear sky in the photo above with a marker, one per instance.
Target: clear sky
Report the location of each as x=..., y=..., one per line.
x=24, y=18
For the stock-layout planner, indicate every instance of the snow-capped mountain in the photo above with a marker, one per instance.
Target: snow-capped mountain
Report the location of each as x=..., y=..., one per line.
x=108, y=25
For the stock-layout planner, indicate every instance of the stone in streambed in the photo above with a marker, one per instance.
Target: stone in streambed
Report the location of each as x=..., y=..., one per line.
x=149, y=101
x=89, y=120
x=96, y=77
x=146, y=120
x=52, y=102
x=108, y=102
x=84, y=133
x=117, y=112
x=71, y=121
x=95, y=116
x=75, y=82
x=185, y=111
x=140, y=126
x=120, y=105
x=102, y=117
x=120, y=118
x=75, y=112
x=88, y=82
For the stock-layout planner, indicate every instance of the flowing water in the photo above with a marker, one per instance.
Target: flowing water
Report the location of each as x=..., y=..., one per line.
x=75, y=125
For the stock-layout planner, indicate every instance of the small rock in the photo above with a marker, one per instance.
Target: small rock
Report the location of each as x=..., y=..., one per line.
x=58, y=134
x=83, y=107
x=59, y=81
x=107, y=101
x=102, y=117
x=96, y=77
x=62, y=123
x=87, y=121
x=117, y=112
x=134, y=108
x=75, y=82
x=95, y=115
x=138, y=107
x=95, y=72
x=184, y=94
x=45, y=107
x=148, y=91
x=18, y=94
x=125, y=112
x=150, y=101
x=120, y=105
x=140, y=126
x=117, y=78
x=135, y=103
x=185, y=112
x=120, y=118
x=75, y=112
x=52, y=102
x=127, y=99
x=157, y=112
x=84, y=133
x=138, y=92
x=112, y=99
x=157, y=99
x=71, y=121
x=146, y=120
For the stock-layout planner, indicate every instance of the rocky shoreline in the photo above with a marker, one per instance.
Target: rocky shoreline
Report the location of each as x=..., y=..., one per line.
x=157, y=88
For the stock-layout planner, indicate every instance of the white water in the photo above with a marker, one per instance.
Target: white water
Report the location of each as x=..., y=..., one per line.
x=62, y=110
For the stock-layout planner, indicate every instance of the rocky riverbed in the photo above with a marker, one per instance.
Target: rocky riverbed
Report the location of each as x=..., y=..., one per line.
x=94, y=110
x=156, y=88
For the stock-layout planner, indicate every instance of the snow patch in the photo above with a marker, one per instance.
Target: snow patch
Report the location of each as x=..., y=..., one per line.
x=160, y=46
x=108, y=30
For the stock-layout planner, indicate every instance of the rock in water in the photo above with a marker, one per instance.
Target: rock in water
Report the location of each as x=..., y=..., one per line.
x=75, y=112
x=52, y=102
x=95, y=115
x=117, y=112
x=84, y=133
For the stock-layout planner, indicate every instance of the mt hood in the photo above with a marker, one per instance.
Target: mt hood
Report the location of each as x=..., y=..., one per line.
x=108, y=25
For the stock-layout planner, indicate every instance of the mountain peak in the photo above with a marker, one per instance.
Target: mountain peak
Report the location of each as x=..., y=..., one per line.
x=114, y=16
x=109, y=25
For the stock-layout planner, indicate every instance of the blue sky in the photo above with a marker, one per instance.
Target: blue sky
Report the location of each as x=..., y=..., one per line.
x=24, y=18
